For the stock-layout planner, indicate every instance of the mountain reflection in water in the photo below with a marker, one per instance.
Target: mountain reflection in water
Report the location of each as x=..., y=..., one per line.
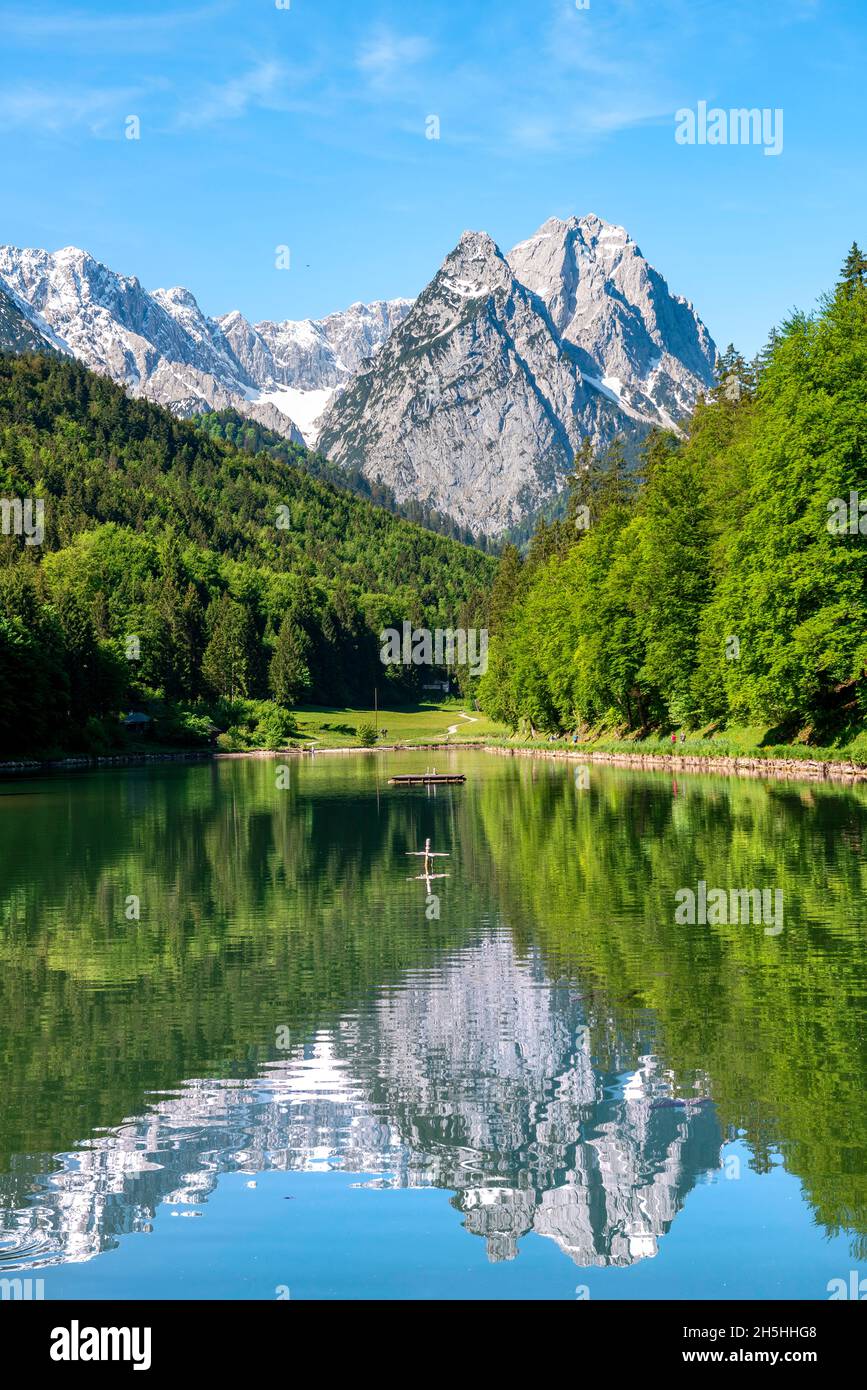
x=550, y=1048
x=475, y=1076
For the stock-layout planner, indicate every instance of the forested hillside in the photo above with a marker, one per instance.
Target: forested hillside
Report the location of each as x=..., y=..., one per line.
x=254, y=438
x=726, y=581
x=183, y=575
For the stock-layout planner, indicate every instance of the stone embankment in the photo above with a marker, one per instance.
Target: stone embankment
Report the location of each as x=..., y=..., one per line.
x=799, y=769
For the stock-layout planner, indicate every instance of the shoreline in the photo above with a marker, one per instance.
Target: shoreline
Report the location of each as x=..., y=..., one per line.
x=782, y=769
x=11, y=768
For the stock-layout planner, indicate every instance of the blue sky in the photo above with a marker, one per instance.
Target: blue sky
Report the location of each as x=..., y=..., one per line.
x=305, y=126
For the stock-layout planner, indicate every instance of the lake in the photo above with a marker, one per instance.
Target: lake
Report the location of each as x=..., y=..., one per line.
x=247, y=1051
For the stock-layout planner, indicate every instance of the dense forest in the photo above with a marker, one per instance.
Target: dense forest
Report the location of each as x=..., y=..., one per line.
x=723, y=581
x=254, y=438
x=185, y=578
x=202, y=571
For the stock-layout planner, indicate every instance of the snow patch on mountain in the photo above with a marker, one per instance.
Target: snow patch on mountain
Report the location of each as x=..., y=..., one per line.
x=306, y=408
x=472, y=398
x=161, y=345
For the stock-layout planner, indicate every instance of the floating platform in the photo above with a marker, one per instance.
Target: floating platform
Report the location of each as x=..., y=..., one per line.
x=428, y=779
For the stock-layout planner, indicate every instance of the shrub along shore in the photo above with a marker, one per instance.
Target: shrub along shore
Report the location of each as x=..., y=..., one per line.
x=697, y=756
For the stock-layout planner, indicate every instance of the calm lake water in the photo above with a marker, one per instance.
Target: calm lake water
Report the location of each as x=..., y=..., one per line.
x=245, y=1053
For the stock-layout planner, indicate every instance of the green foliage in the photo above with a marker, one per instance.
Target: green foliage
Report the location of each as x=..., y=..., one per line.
x=601, y=483
x=177, y=568
x=253, y=438
x=183, y=727
x=289, y=673
x=366, y=735
x=854, y=274
x=256, y=724
x=228, y=662
x=716, y=590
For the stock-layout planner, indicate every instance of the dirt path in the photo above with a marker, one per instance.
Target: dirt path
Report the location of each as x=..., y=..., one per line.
x=454, y=728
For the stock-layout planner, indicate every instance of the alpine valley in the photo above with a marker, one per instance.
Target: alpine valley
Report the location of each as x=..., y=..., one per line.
x=472, y=400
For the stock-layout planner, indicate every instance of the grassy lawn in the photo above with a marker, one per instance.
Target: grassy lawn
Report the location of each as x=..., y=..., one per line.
x=428, y=722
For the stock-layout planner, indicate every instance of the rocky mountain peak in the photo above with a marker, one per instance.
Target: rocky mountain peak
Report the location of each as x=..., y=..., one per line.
x=478, y=401
x=181, y=298
x=473, y=398
x=644, y=344
x=475, y=267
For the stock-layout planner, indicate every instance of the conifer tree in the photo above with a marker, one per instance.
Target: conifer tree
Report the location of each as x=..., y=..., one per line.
x=506, y=587
x=853, y=276
x=735, y=378
x=228, y=658
x=612, y=484
x=289, y=673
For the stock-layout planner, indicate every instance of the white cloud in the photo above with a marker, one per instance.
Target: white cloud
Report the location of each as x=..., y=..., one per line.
x=38, y=25
x=581, y=78
x=267, y=84
x=55, y=112
x=387, y=56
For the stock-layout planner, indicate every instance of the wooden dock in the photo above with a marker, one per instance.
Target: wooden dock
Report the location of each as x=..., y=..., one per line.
x=428, y=779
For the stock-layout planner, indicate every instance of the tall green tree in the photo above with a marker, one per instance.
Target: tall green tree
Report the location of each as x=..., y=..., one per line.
x=853, y=277
x=289, y=672
x=228, y=660
x=733, y=584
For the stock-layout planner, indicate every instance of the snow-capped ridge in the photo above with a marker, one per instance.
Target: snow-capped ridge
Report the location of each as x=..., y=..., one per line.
x=473, y=397
x=160, y=344
x=479, y=400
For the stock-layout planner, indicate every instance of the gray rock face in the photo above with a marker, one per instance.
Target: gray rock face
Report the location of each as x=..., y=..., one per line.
x=645, y=344
x=312, y=354
x=479, y=399
x=160, y=345
x=18, y=332
x=473, y=399
x=473, y=404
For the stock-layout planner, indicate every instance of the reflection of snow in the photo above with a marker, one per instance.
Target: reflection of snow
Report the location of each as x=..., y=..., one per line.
x=475, y=1076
